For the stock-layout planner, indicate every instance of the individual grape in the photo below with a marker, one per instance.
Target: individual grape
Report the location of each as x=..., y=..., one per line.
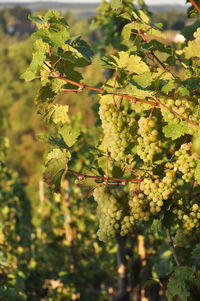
x=148, y=143
x=118, y=130
x=186, y=161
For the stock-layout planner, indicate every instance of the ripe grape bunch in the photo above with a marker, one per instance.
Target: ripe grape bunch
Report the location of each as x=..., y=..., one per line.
x=109, y=211
x=148, y=143
x=182, y=106
x=189, y=216
x=186, y=161
x=118, y=126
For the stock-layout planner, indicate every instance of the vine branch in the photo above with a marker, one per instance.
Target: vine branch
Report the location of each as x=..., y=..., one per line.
x=195, y=5
x=174, y=112
x=100, y=90
x=171, y=244
x=82, y=176
x=154, y=103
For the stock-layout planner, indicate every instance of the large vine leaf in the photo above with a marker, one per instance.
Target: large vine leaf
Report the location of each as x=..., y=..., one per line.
x=193, y=48
x=175, y=131
x=131, y=63
x=130, y=90
x=197, y=173
x=55, y=167
x=178, y=285
x=69, y=134
x=39, y=55
x=53, y=29
x=57, y=114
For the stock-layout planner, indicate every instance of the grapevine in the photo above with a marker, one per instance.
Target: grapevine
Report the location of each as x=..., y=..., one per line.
x=146, y=166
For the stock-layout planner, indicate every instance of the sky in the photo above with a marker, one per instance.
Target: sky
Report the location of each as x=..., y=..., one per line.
x=182, y=2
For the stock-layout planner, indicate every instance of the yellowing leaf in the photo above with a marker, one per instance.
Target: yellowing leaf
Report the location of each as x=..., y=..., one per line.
x=69, y=134
x=193, y=48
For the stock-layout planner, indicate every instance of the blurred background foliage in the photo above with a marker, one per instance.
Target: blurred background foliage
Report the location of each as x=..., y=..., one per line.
x=48, y=244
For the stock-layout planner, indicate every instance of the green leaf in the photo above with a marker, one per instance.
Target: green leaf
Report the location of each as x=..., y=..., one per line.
x=162, y=268
x=143, y=80
x=69, y=134
x=45, y=94
x=168, y=87
x=53, y=29
x=183, y=91
x=189, y=30
x=175, y=131
x=131, y=63
x=137, y=25
x=115, y=4
x=126, y=31
x=178, y=285
x=131, y=90
x=196, y=137
x=55, y=168
x=54, y=141
x=197, y=173
x=60, y=114
x=39, y=56
x=143, y=16
x=155, y=45
x=55, y=113
x=36, y=19
x=195, y=256
x=77, y=50
x=193, y=48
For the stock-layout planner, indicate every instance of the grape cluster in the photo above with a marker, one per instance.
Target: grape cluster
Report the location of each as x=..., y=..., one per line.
x=192, y=220
x=127, y=224
x=158, y=190
x=184, y=107
x=118, y=130
x=149, y=200
x=148, y=143
x=189, y=217
x=109, y=211
x=186, y=161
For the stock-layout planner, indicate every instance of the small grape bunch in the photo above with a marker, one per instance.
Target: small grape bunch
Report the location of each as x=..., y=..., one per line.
x=158, y=190
x=117, y=126
x=192, y=220
x=148, y=143
x=182, y=106
x=186, y=161
x=138, y=211
x=139, y=207
x=127, y=224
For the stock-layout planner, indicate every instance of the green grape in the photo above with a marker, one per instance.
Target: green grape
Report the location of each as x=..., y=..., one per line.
x=186, y=161
x=117, y=127
x=148, y=143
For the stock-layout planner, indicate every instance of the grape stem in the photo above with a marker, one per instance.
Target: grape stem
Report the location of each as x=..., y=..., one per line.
x=154, y=103
x=106, y=179
x=171, y=244
x=83, y=86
